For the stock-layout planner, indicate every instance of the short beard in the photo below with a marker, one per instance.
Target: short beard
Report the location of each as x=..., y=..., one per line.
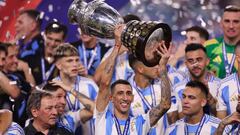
x=197, y=77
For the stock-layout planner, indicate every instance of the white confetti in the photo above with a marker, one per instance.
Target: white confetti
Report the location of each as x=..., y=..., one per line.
x=183, y=33
x=176, y=5
x=41, y=15
x=55, y=20
x=6, y=18
x=46, y=18
x=50, y=8
x=8, y=35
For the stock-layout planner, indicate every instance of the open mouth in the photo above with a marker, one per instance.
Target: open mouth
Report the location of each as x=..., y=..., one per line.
x=74, y=70
x=124, y=105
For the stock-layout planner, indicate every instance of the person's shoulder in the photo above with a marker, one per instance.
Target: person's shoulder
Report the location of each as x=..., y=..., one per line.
x=15, y=129
x=39, y=38
x=178, y=122
x=62, y=130
x=212, y=42
x=87, y=80
x=212, y=120
x=181, y=84
x=229, y=79
x=29, y=129
x=76, y=43
x=215, y=79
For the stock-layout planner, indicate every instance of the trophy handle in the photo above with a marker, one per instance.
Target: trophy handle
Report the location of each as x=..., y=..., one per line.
x=75, y=9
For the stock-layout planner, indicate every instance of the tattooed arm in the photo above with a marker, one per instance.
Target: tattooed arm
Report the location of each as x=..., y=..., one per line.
x=87, y=102
x=106, y=75
x=157, y=112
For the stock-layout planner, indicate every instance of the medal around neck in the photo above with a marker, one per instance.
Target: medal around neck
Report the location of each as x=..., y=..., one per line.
x=99, y=19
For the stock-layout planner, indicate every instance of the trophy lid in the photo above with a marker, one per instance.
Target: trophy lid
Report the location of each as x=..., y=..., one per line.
x=140, y=38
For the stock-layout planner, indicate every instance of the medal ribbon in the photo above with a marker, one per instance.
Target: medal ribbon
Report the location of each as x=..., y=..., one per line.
x=199, y=127
x=46, y=75
x=144, y=100
x=94, y=54
x=73, y=106
x=228, y=66
x=126, y=126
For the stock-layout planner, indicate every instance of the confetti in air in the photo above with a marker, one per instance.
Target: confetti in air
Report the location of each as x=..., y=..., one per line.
x=180, y=14
x=41, y=15
x=50, y=8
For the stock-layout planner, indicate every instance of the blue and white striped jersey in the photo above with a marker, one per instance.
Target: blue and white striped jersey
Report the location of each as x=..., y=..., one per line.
x=208, y=127
x=105, y=124
x=232, y=129
x=70, y=120
x=14, y=129
x=87, y=87
x=174, y=75
x=213, y=85
x=228, y=94
x=152, y=94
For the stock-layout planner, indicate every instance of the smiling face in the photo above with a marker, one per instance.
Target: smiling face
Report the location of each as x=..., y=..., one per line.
x=11, y=62
x=196, y=62
x=122, y=98
x=193, y=101
x=52, y=40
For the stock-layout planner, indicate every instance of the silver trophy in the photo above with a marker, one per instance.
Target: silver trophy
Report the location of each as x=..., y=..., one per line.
x=94, y=18
x=99, y=19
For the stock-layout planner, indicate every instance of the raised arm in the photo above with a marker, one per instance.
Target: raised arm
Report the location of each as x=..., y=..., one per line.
x=87, y=102
x=23, y=66
x=157, y=112
x=106, y=75
x=100, y=68
x=8, y=88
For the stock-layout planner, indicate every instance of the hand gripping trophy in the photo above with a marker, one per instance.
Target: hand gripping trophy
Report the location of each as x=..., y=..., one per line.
x=99, y=19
